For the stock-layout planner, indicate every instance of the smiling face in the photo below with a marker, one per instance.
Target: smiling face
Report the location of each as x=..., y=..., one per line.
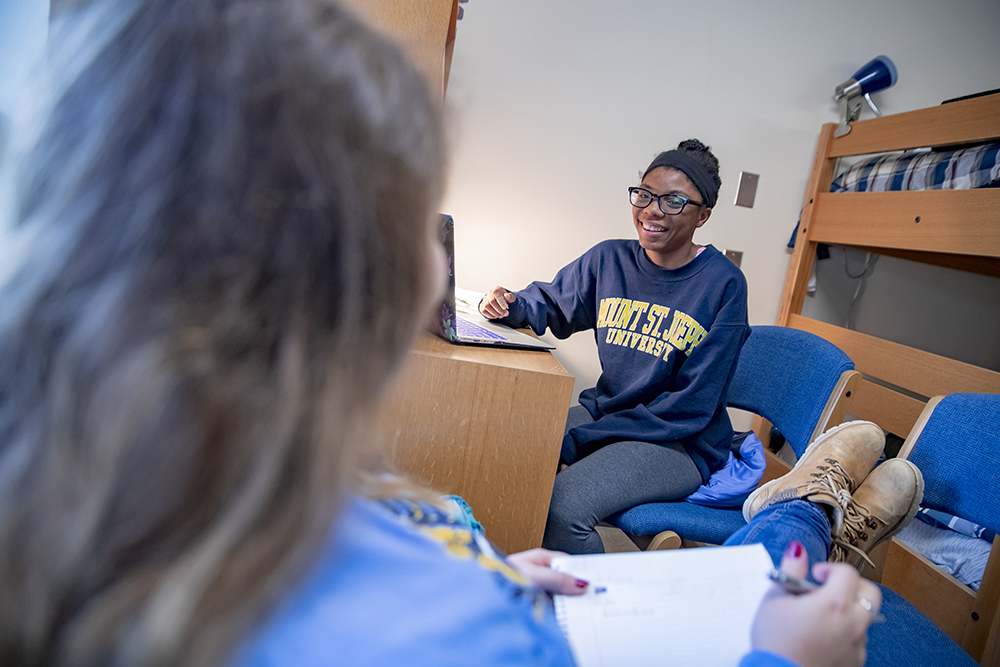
x=667, y=238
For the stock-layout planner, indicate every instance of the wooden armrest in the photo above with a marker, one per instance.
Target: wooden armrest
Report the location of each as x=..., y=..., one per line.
x=946, y=601
x=982, y=634
x=970, y=619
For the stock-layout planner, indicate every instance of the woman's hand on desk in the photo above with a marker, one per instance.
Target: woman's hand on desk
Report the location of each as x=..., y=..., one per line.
x=825, y=628
x=496, y=302
x=536, y=564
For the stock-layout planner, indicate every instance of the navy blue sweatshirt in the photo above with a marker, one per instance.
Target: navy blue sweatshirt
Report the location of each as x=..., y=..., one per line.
x=668, y=342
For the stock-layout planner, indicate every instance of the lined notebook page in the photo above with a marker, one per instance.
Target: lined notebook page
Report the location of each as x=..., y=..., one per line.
x=678, y=608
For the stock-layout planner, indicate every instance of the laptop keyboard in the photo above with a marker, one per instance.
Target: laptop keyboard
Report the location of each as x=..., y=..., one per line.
x=473, y=330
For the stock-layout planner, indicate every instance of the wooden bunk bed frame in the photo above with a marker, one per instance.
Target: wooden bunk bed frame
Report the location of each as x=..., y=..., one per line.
x=958, y=229
x=954, y=228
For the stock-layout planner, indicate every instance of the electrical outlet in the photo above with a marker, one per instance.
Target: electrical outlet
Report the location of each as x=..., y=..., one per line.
x=746, y=192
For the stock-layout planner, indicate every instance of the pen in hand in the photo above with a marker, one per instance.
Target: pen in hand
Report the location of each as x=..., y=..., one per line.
x=797, y=586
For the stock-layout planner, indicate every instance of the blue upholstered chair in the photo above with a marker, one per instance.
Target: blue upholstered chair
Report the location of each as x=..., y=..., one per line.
x=794, y=379
x=954, y=443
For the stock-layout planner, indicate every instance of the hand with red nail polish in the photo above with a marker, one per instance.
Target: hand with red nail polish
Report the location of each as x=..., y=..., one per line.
x=824, y=628
x=537, y=565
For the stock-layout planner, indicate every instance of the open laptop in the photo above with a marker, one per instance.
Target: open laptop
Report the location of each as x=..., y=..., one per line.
x=459, y=321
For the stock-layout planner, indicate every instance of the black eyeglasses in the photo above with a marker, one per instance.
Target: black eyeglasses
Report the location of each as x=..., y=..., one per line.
x=669, y=204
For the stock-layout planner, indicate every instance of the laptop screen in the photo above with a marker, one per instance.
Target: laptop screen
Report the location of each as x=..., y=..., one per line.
x=444, y=323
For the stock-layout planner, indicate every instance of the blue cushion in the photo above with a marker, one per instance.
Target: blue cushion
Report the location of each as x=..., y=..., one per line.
x=786, y=376
x=957, y=454
x=690, y=521
x=909, y=638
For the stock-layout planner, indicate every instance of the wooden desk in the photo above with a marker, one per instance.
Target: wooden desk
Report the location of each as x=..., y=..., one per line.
x=486, y=424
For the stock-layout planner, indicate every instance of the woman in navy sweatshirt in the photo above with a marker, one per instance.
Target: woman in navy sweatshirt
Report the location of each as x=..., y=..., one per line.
x=669, y=317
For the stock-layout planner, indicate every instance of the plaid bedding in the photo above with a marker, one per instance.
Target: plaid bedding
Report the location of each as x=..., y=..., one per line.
x=976, y=167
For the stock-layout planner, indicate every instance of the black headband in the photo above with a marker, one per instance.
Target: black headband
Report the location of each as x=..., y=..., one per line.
x=692, y=169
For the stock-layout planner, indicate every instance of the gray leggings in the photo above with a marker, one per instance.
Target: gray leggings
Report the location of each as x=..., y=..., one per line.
x=615, y=477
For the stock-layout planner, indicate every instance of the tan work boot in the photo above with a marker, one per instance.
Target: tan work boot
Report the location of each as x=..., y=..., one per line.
x=829, y=470
x=885, y=502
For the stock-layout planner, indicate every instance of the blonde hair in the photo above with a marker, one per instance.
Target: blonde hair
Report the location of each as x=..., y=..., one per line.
x=223, y=227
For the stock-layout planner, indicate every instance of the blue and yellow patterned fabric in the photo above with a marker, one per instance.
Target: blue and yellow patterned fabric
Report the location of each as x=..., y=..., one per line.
x=463, y=543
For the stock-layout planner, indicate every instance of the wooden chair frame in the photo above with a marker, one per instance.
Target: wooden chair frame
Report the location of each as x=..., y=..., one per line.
x=837, y=406
x=969, y=618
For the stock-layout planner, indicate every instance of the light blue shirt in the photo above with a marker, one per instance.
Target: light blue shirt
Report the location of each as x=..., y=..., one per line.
x=412, y=589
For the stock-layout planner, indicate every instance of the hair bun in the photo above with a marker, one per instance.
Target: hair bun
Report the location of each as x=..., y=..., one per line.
x=704, y=156
x=693, y=145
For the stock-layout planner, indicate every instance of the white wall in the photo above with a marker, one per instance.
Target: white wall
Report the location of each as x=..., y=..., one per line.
x=557, y=105
x=944, y=311
x=23, y=28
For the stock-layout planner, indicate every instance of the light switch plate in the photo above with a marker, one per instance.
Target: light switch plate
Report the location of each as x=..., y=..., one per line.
x=735, y=256
x=747, y=190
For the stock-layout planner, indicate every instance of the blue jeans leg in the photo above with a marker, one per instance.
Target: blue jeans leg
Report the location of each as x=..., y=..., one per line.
x=776, y=527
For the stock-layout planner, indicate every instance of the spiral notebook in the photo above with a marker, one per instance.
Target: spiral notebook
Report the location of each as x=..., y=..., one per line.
x=684, y=607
